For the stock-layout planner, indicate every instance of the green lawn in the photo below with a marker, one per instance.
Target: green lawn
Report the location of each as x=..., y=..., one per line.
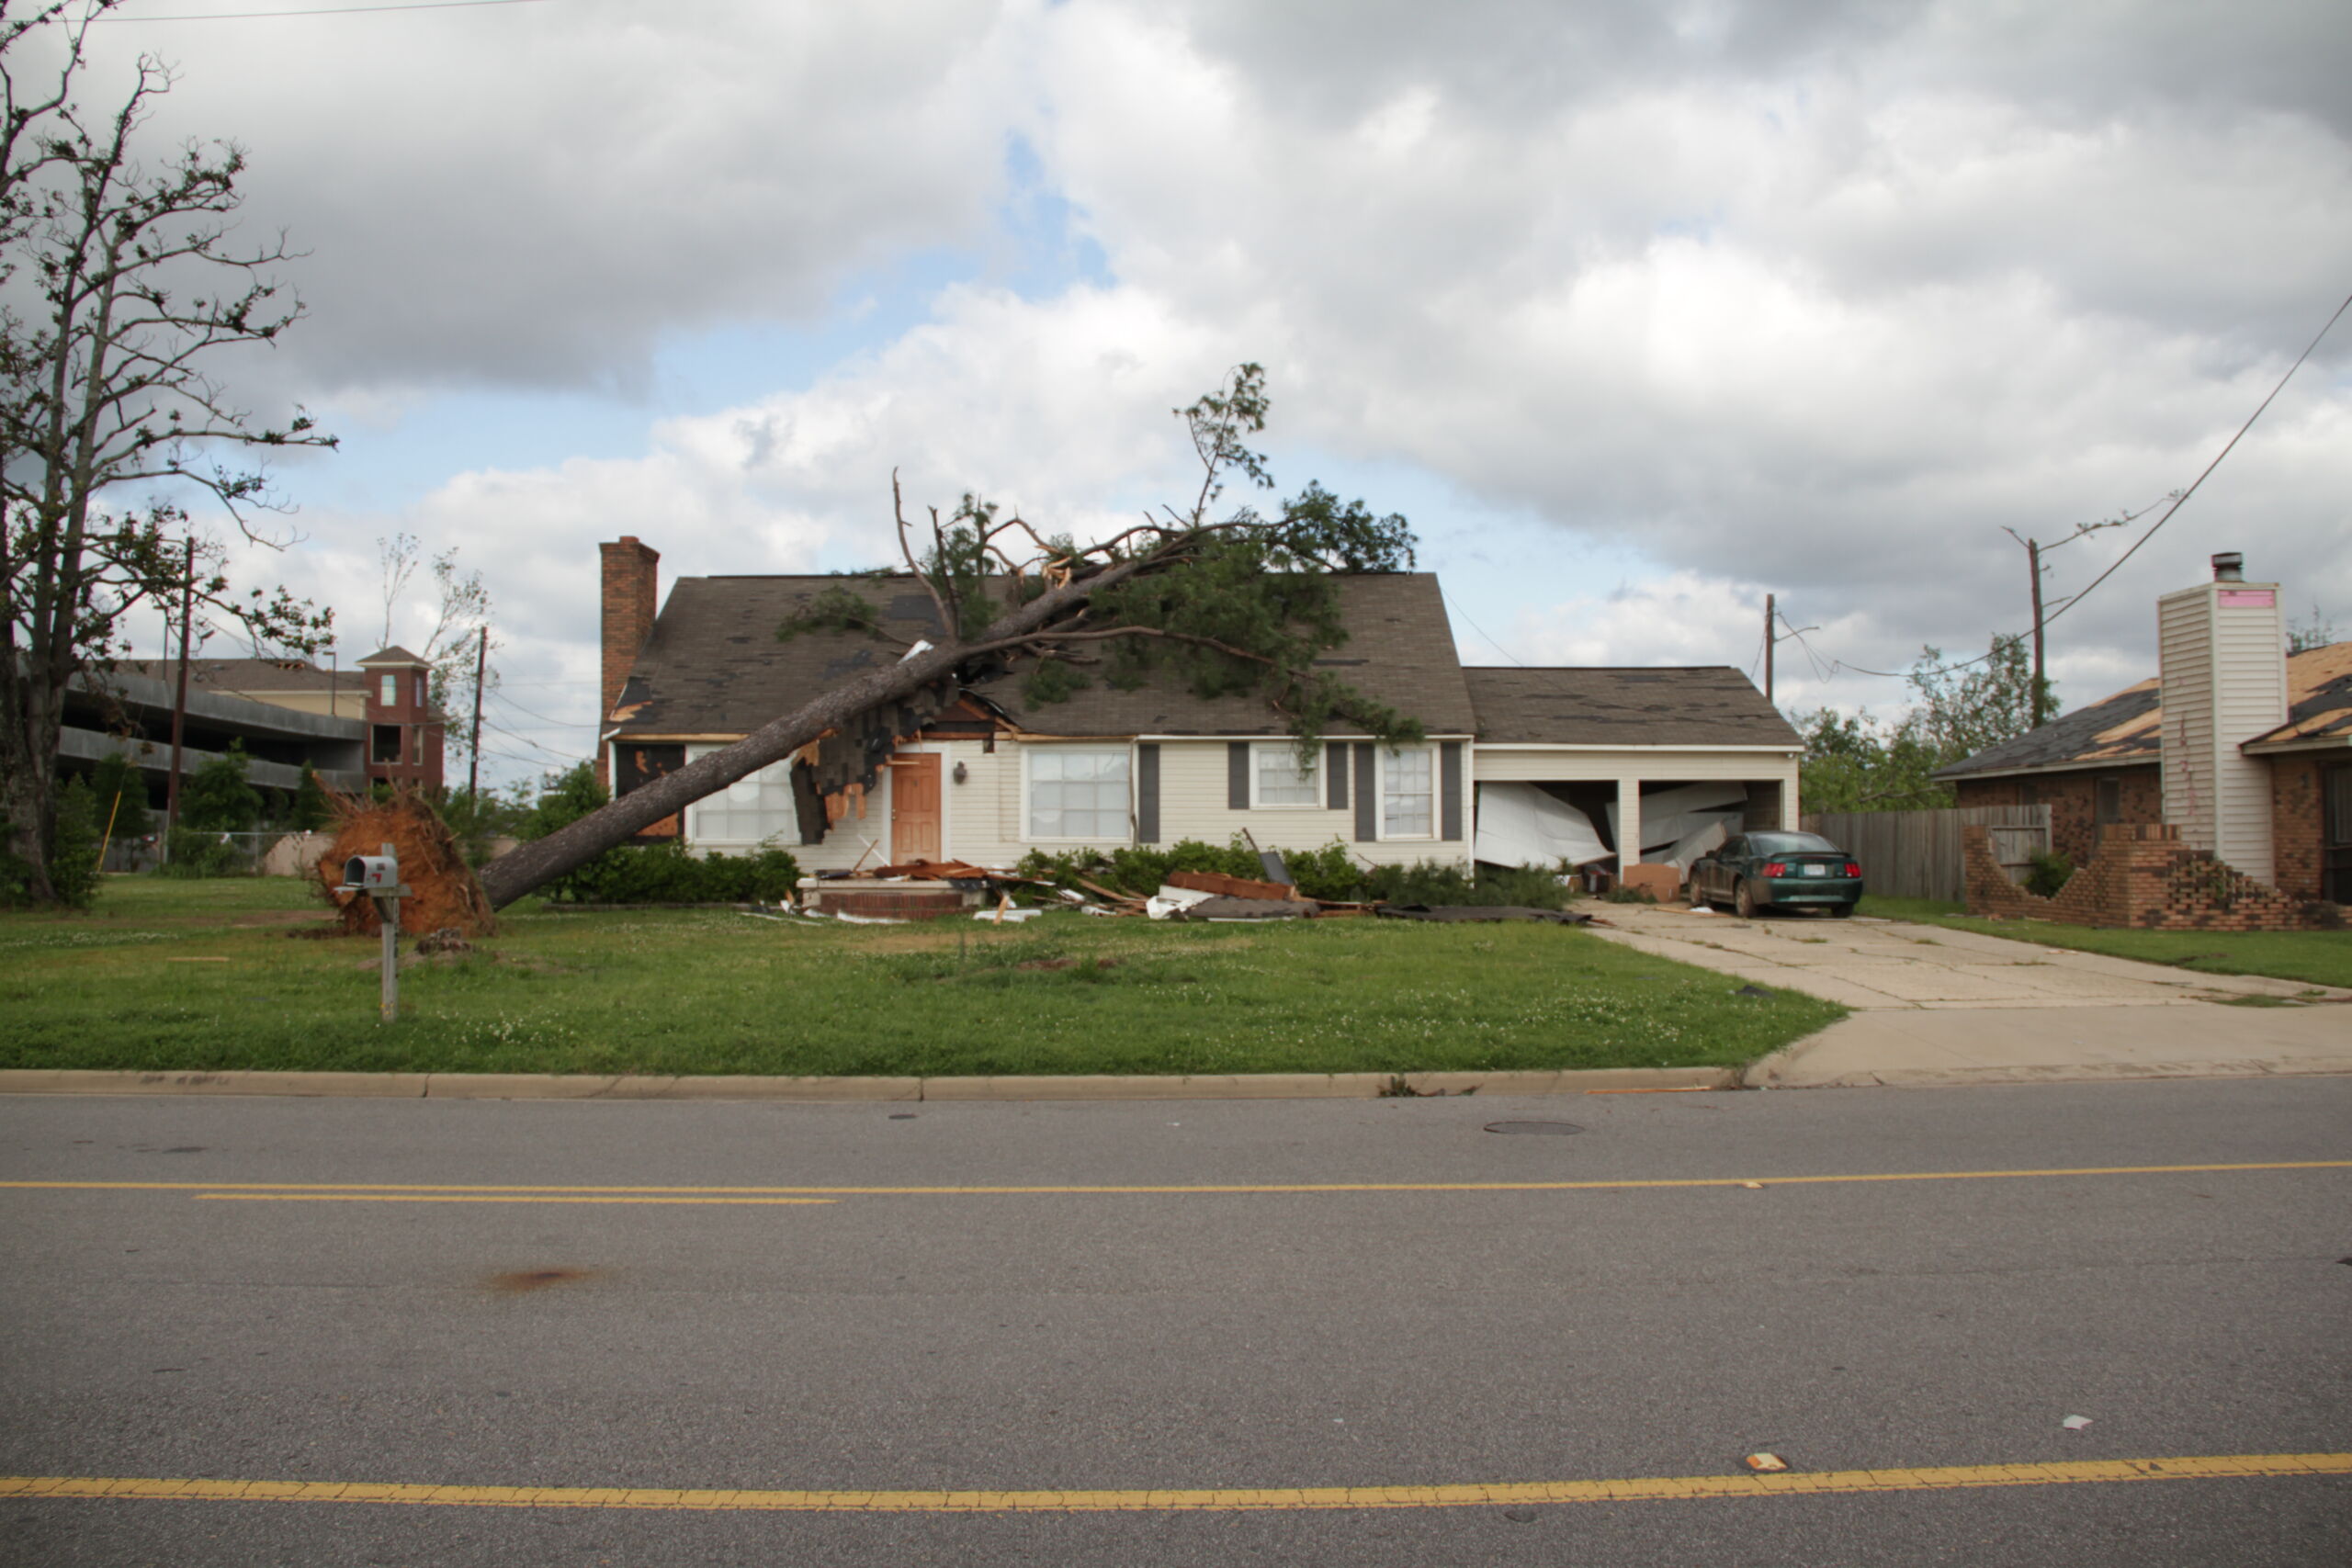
x=708, y=991
x=2319, y=958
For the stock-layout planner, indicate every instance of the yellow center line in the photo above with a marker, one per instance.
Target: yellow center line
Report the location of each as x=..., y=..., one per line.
x=222, y=1189
x=464, y=1197
x=1652, y=1489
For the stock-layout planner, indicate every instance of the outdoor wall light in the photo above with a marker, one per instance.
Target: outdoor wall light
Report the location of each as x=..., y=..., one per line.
x=960, y=774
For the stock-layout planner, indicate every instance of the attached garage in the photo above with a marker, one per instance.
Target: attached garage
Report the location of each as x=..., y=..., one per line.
x=1578, y=763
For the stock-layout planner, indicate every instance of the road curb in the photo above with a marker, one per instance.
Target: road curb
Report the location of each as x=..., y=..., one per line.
x=588, y=1085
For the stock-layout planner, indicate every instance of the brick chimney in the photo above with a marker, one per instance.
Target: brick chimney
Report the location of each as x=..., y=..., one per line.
x=628, y=602
x=2221, y=655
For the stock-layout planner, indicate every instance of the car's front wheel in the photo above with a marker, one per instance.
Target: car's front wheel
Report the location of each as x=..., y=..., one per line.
x=1698, y=893
x=1743, y=898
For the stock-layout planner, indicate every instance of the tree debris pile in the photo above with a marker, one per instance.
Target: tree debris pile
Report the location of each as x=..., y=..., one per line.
x=445, y=895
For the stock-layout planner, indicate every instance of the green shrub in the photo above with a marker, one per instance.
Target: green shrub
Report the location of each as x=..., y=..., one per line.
x=311, y=810
x=74, y=845
x=1427, y=882
x=121, y=793
x=193, y=852
x=666, y=873
x=217, y=797
x=1332, y=872
x=2050, y=872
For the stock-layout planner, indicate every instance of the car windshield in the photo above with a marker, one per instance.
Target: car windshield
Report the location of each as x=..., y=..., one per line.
x=1791, y=844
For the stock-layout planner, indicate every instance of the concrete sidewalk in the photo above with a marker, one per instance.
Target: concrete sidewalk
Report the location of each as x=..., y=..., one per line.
x=1936, y=1006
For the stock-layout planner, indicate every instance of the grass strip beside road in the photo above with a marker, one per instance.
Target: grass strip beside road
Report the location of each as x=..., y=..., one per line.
x=2317, y=958
x=1524, y=1494
x=693, y=992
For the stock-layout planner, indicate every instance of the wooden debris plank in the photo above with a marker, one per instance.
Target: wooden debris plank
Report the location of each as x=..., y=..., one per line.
x=1230, y=886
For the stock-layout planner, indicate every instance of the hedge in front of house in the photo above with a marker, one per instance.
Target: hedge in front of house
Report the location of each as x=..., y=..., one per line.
x=666, y=873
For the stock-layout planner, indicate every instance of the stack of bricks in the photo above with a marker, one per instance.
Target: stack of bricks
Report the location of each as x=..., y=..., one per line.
x=887, y=900
x=2144, y=877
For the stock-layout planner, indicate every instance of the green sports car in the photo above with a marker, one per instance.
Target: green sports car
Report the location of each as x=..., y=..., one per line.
x=1778, y=871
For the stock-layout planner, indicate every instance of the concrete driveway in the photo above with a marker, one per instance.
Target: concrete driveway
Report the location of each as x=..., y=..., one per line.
x=1933, y=1005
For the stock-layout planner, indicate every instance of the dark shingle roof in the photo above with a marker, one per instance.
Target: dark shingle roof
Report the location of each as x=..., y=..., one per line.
x=713, y=666
x=2119, y=731
x=2319, y=695
x=2126, y=729
x=1709, y=705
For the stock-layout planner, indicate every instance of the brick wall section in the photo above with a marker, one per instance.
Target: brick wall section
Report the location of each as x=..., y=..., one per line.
x=2142, y=877
x=2072, y=799
x=626, y=611
x=898, y=901
x=2296, y=826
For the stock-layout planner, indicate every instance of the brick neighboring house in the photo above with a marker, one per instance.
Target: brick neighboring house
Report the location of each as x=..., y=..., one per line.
x=404, y=733
x=985, y=775
x=2247, y=751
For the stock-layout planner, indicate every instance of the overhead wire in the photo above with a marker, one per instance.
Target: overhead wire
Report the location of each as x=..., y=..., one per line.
x=2072, y=600
x=1474, y=627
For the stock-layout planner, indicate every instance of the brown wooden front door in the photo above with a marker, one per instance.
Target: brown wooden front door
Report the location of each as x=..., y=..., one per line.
x=914, y=807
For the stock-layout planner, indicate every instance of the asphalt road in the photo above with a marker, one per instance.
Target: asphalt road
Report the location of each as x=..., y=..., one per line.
x=1421, y=1326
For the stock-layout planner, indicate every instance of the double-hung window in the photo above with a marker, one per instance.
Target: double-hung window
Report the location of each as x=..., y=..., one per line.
x=754, y=809
x=1077, y=792
x=1281, y=781
x=1408, y=794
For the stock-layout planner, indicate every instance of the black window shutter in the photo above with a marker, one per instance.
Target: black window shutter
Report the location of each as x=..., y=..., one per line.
x=1335, y=769
x=807, y=806
x=1236, y=774
x=1148, y=793
x=1367, y=796
x=1449, y=786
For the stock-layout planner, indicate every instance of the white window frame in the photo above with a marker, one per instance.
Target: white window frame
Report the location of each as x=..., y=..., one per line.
x=1259, y=802
x=1387, y=755
x=387, y=691
x=786, y=837
x=1029, y=755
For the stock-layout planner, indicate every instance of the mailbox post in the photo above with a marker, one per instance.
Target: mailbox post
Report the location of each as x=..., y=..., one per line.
x=378, y=877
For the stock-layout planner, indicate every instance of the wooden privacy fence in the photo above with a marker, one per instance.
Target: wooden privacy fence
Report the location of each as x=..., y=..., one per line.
x=1917, y=854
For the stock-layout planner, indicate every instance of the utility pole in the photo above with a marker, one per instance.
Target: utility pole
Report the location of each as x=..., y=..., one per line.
x=2033, y=563
x=473, y=751
x=1770, y=614
x=179, y=704
x=2033, y=547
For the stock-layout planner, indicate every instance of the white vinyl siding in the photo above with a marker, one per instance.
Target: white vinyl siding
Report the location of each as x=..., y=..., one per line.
x=1079, y=792
x=1408, y=793
x=2221, y=648
x=1279, y=780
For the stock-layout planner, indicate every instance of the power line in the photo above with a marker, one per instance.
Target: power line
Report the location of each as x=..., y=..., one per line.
x=2075, y=599
x=323, y=11
x=1474, y=627
x=498, y=693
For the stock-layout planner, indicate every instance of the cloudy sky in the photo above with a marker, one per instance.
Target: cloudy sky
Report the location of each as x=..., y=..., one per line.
x=1638, y=311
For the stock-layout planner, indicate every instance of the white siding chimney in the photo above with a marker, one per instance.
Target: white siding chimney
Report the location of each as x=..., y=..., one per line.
x=2222, y=653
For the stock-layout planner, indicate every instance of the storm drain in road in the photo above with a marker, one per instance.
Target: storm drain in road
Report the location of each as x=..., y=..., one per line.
x=1557, y=1129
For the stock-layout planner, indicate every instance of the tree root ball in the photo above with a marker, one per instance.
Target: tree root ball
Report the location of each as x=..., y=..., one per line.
x=445, y=893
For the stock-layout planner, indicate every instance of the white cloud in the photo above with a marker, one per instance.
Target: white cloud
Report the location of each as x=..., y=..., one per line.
x=1812, y=298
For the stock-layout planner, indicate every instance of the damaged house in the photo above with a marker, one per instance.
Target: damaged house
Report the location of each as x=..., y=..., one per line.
x=2242, y=749
x=1519, y=766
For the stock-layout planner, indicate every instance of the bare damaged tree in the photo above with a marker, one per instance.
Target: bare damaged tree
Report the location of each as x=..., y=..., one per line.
x=105, y=389
x=1240, y=603
x=458, y=645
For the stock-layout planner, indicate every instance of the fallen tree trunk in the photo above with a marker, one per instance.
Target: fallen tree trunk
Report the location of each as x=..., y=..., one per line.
x=534, y=864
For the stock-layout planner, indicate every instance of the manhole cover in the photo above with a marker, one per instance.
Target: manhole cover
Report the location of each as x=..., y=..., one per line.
x=1558, y=1129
